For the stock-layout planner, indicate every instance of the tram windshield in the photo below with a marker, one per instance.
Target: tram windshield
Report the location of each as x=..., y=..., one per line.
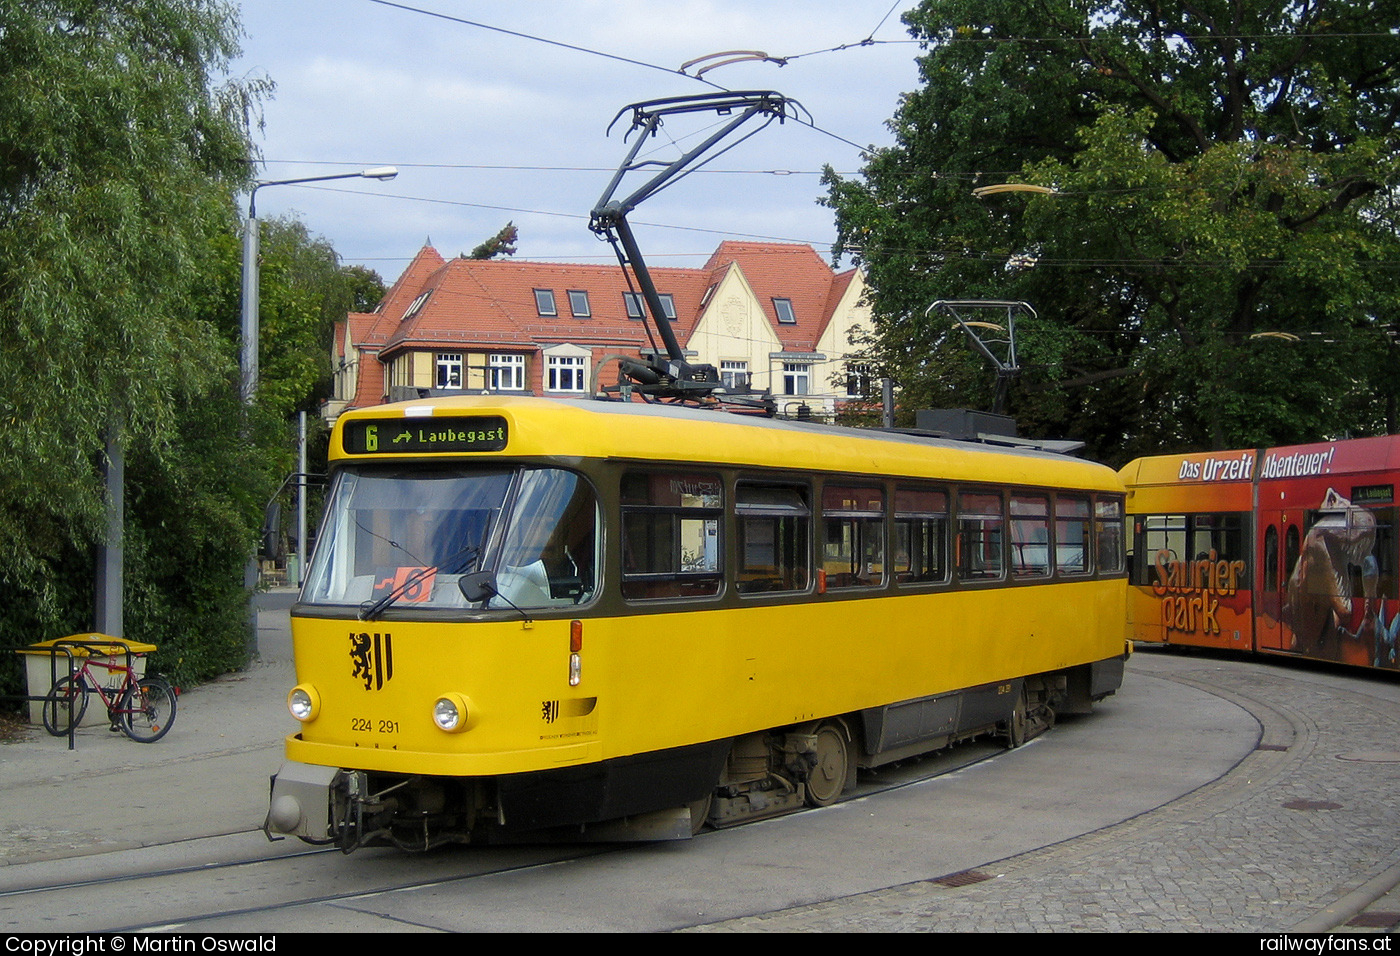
x=405, y=536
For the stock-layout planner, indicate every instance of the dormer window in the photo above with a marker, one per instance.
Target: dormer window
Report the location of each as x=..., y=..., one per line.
x=416, y=305
x=784, y=309
x=578, y=303
x=544, y=302
x=636, y=310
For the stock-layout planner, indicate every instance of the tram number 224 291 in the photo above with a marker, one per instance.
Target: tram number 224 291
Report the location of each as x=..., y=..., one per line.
x=365, y=725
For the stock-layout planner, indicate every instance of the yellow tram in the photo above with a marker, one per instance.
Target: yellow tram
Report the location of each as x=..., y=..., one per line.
x=608, y=619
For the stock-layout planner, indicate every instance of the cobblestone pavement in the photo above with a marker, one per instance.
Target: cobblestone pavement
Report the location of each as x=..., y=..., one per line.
x=1303, y=835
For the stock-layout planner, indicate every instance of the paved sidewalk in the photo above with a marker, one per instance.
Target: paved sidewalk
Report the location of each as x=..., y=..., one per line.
x=207, y=777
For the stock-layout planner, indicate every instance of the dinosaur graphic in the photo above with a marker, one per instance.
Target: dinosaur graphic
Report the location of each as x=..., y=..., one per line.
x=1336, y=569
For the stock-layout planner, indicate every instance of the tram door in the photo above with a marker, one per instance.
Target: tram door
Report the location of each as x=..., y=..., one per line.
x=1280, y=539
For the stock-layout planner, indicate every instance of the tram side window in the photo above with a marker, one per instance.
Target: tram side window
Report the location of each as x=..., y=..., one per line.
x=1030, y=536
x=1219, y=536
x=670, y=534
x=1170, y=544
x=1271, y=582
x=981, y=555
x=1361, y=543
x=854, y=552
x=773, y=527
x=1108, y=535
x=1072, y=534
x=1386, y=553
x=1292, y=548
x=921, y=535
x=1158, y=539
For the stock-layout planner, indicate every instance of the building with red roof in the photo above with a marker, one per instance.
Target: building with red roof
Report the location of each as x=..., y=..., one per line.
x=770, y=315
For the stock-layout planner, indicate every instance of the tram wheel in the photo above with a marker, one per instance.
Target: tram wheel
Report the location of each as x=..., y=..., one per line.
x=1018, y=724
x=700, y=812
x=827, y=778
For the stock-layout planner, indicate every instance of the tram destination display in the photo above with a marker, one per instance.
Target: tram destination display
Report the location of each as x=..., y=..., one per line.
x=426, y=435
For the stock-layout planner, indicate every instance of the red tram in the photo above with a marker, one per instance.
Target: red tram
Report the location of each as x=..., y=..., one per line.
x=1289, y=550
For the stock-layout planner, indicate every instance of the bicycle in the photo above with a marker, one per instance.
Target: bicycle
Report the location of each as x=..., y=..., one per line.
x=143, y=708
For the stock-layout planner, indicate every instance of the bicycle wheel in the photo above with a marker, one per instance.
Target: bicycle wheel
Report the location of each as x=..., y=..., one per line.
x=147, y=710
x=65, y=705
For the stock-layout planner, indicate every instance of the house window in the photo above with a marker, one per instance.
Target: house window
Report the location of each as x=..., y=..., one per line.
x=506, y=373
x=578, y=303
x=565, y=373
x=449, y=370
x=795, y=377
x=635, y=309
x=734, y=374
x=784, y=309
x=857, y=380
x=544, y=302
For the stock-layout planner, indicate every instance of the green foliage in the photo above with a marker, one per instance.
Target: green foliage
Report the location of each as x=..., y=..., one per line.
x=304, y=290
x=501, y=244
x=119, y=156
x=1219, y=172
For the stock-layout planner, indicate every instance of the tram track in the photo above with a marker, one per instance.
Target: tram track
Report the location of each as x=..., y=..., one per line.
x=113, y=886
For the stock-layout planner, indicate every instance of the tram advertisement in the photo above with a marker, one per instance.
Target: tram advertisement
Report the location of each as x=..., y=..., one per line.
x=1328, y=550
x=1290, y=550
x=1205, y=597
x=1191, y=565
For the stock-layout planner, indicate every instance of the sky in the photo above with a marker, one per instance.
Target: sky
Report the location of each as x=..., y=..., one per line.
x=486, y=127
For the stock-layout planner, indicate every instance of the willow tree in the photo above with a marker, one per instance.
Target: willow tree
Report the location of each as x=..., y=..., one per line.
x=1218, y=262
x=120, y=150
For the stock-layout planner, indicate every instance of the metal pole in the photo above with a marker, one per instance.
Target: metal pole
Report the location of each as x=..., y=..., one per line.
x=301, y=497
x=248, y=383
x=111, y=552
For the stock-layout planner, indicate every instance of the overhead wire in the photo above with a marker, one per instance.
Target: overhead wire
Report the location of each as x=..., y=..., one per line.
x=539, y=39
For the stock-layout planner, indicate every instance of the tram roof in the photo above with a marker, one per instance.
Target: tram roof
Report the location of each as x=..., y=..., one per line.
x=571, y=428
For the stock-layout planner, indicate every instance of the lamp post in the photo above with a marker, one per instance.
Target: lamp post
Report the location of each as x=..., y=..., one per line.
x=248, y=364
x=248, y=357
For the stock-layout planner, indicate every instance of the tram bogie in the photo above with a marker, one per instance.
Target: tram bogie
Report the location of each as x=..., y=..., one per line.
x=612, y=621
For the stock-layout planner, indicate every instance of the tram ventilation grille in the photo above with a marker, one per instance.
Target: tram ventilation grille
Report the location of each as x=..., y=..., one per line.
x=965, y=878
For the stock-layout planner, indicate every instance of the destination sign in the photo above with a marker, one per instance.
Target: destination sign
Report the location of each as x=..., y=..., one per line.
x=412, y=436
x=1372, y=494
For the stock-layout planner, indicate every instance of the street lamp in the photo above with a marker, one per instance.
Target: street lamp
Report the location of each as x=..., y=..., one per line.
x=248, y=385
x=248, y=360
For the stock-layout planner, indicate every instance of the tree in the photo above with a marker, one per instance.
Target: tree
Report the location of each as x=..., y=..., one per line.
x=119, y=155
x=1221, y=170
x=304, y=292
x=501, y=244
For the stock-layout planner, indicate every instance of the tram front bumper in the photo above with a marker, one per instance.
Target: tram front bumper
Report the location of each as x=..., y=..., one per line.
x=300, y=803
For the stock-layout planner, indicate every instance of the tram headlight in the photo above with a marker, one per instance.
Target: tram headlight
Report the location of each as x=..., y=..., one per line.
x=304, y=703
x=454, y=713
